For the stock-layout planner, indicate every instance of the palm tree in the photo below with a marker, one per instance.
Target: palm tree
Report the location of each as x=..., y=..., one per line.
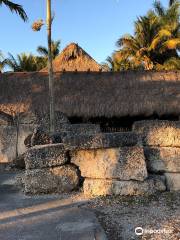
x=170, y=64
x=136, y=48
x=15, y=8
x=109, y=64
x=2, y=62
x=25, y=63
x=169, y=20
x=55, y=48
x=49, y=20
x=48, y=53
x=115, y=63
x=156, y=38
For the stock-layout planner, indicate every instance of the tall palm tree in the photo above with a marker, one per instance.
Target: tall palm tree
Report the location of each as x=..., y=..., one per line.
x=48, y=53
x=55, y=48
x=49, y=20
x=115, y=63
x=169, y=20
x=155, y=40
x=14, y=7
x=25, y=63
x=137, y=48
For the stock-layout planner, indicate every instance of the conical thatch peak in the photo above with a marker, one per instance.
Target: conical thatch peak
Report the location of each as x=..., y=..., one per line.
x=74, y=58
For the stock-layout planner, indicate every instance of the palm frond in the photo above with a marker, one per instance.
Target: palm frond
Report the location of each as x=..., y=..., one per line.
x=12, y=63
x=18, y=9
x=156, y=38
x=159, y=9
x=55, y=48
x=2, y=61
x=42, y=51
x=171, y=43
x=162, y=34
x=26, y=62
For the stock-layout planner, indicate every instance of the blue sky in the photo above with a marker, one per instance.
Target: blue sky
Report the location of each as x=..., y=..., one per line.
x=93, y=24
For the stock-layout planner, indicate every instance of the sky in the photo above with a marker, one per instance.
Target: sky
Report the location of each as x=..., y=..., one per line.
x=95, y=25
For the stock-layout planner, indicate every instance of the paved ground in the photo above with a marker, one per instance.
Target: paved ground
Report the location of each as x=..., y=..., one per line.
x=45, y=217
x=71, y=217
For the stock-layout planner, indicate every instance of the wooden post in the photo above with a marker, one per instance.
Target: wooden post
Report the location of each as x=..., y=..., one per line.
x=50, y=69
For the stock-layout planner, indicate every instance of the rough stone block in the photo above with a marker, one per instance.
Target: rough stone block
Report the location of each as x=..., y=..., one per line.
x=43, y=156
x=26, y=118
x=80, y=128
x=173, y=181
x=60, y=119
x=159, y=133
x=100, y=187
x=42, y=118
x=23, y=133
x=100, y=140
x=123, y=163
x=8, y=139
x=5, y=119
x=41, y=137
x=12, y=141
x=162, y=159
x=38, y=137
x=51, y=180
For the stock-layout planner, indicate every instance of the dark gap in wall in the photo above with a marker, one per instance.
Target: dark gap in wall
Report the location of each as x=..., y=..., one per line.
x=81, y=179
x=121, y=124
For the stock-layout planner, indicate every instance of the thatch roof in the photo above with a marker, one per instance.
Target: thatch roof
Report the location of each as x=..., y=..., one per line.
x=94, y=94
x=74, y=58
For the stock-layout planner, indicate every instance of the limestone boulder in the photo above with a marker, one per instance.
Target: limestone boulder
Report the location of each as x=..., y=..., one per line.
x=40, y=137
x=23, y=132
x=5, y=119
x=37, y=137
x=12, y=141
x=60, y=119
x=173, y=181
x=51, y=180
x=159, y=133
x=42, y=119
x=26, y=118
x=123, y=163
x=8, y=141
x=162, y=159
x=78, y=129
x=101, y=140
x=103, y=187
x=43, y=156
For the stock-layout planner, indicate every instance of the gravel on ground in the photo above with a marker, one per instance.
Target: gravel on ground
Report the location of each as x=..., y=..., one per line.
x=158, y=216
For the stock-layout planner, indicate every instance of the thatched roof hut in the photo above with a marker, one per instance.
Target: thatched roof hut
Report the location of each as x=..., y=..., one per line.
x=74, y=58
x=95, y=94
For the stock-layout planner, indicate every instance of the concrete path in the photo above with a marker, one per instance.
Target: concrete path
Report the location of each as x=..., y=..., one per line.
x=45, y=217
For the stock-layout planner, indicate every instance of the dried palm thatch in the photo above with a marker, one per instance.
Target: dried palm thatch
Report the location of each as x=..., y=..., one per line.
x=95, y=94
x=74, y=58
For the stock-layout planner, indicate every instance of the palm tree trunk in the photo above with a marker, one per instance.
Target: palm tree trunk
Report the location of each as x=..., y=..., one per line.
x=50, y=68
